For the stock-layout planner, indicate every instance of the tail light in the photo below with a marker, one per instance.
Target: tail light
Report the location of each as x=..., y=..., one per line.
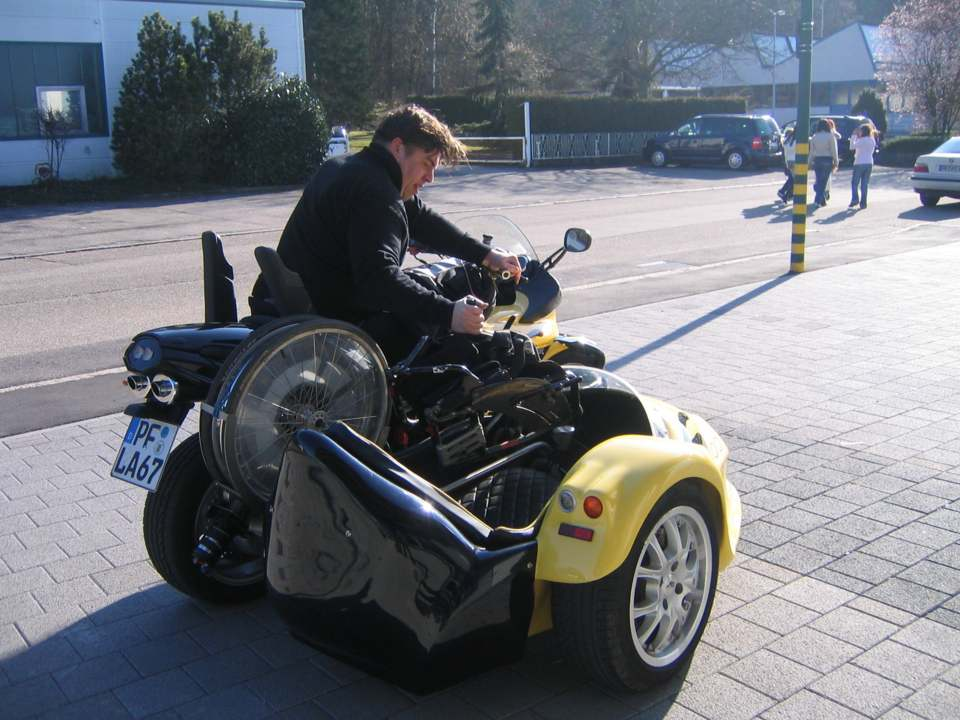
x=920, y=168
x=757, y=143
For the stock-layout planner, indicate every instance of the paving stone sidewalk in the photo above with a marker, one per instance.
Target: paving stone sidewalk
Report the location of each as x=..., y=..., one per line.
x=838, y=392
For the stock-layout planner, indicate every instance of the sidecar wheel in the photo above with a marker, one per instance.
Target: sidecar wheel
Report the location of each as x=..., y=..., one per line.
x=639, y=625
x=170, y=532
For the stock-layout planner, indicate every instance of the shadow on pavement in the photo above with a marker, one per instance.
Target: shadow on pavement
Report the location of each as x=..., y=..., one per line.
x=701, y=173
x=158, y=651
x=943, y=211
x=838, y=216
x=670, y=337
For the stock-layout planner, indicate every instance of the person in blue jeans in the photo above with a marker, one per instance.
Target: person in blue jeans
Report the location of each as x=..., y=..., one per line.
x=823, y=154
x=863, y=143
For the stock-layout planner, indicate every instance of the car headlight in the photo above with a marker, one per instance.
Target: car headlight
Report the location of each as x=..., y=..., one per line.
x=143, y=355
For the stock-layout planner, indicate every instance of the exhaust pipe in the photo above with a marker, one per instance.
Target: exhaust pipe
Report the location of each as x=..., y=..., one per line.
x=140, y=384
x=164, y=389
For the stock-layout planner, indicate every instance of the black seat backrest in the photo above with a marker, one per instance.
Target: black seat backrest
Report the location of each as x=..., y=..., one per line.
x=378, y=461
x=219, y=298
x=286, y=291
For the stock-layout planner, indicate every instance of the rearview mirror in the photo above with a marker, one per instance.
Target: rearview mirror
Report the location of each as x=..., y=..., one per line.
x=577, y=240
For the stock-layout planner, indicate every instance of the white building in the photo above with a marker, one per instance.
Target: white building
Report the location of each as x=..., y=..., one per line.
x=842, y=66
x=72, y=54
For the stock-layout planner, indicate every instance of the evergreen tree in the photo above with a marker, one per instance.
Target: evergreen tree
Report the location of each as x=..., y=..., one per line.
x=338, y=58
x=495, y=35
x=870, y=104
x=161, y=106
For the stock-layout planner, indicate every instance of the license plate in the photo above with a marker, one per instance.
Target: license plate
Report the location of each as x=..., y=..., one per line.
x=949, y=168
x=144, y=452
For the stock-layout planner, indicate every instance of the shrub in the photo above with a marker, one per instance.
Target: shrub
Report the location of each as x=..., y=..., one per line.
x=902, y=151
x=456, y=109
x=560, y=114
x=214, y=109
x=159, y=120
x=870, y=104
x=278, y=138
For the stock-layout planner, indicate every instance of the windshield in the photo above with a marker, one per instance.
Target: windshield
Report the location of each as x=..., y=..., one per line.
x=505, y=234
x=950, y=146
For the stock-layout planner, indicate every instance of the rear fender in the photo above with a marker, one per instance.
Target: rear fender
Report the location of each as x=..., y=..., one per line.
x=629, y=474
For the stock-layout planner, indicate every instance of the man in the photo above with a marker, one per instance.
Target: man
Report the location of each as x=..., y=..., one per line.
x=349, y=233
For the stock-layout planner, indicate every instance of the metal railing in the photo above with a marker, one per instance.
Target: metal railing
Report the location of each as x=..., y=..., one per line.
x=579, y=146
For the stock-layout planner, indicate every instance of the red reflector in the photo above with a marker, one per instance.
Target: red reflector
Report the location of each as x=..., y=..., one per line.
x=574, y=531
x=592, y=506
x=757, y=143
x=919, y=168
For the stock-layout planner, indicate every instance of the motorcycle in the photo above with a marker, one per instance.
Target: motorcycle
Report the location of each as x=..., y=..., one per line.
x=422, y=519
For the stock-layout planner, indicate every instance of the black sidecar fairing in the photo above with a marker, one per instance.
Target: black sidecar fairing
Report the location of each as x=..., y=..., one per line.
x=372, y=564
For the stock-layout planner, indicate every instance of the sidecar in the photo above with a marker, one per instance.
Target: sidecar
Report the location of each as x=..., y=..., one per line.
x=379, y=566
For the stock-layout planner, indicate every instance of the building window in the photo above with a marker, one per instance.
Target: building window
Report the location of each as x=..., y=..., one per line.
x=69, y=102
x=61, y=76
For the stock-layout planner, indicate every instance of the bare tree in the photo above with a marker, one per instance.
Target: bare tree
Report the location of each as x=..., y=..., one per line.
x=923, y=65
x=55, y=127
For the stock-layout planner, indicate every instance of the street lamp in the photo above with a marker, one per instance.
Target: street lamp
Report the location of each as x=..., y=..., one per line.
x=773, y=68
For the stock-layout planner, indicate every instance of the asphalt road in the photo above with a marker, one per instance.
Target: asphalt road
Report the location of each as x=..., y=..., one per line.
x=77, y=282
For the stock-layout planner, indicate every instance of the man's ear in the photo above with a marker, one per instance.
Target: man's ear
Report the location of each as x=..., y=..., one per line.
x=396, y=148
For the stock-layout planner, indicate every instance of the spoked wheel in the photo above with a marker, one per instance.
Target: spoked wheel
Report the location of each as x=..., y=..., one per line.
x=299, y=376
x=641, y=624
x=735, y=160
x=175, y=516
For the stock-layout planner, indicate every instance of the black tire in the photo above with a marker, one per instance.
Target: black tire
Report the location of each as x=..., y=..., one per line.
x=595, y=619
x=658, y=157
x=170, y=530
x=511, y=498
x=736, y=160
x=928, y=199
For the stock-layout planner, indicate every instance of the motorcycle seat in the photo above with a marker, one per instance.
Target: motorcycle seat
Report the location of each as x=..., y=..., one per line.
x=343, y=439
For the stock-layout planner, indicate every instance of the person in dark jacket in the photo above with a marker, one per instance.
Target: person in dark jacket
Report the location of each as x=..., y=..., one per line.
x=350, y=231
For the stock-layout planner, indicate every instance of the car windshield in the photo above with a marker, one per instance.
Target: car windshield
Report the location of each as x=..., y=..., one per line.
x=505, y=234
x=950, y=146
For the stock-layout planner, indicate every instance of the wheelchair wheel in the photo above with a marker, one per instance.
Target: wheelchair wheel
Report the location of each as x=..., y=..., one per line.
x=305, y=375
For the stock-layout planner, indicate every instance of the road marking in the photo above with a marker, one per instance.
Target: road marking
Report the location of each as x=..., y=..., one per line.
x=692, y=268
x=59, y=381
x=138, y=243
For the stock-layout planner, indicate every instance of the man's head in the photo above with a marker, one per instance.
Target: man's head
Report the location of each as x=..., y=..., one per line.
x=419, y=143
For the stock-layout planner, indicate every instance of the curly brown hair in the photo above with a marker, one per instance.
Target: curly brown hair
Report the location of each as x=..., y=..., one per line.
x=415, y=126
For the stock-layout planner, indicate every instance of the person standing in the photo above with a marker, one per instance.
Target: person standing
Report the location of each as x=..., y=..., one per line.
x=823, y=152
x=863, y=143
x=789, y=143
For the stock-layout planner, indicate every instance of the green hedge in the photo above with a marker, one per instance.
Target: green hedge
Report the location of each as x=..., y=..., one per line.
x=565, y=114
x=562, y=114
x=903, y=151
x=456, y=109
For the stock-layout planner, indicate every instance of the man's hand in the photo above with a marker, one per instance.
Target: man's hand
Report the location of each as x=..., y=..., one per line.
x=467, y=315
x=498, y=260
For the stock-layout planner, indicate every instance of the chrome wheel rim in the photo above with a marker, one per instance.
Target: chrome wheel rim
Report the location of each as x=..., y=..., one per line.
x=658, y=158
x=668, y=597
x=735, y=161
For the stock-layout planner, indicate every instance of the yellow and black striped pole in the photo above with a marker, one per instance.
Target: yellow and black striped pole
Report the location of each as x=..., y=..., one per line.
x=801, y=165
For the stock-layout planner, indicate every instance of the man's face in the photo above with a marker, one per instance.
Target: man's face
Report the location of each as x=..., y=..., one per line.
x=416, y=166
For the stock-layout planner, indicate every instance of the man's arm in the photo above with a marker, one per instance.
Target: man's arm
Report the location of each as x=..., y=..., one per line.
x=375, y=242
x=437, y=233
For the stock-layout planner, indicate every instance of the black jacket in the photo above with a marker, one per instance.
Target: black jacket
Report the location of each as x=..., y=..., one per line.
x=349, y=233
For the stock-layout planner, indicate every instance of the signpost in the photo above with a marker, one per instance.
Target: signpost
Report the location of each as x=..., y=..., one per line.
x=802, y=135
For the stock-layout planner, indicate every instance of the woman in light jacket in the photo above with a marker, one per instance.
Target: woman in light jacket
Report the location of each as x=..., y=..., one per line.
x=863, y=143
x=823, y=154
